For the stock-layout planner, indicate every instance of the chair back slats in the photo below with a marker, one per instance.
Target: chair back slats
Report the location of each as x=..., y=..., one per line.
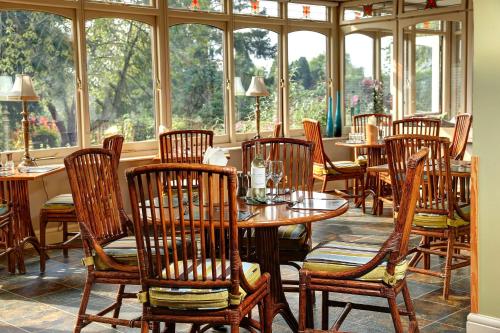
x=200, y=218
x=436, y=196
x=384, y=123
x=295, y=154
x=417, y=126
x=94, y=183
x=277, y=130
x=460, y=136
x=115, y=144
x=185, y=146
x=410, y=193
x=312, y=132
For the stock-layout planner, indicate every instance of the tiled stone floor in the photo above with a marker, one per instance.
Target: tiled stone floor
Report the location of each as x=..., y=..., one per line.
x=48, y=303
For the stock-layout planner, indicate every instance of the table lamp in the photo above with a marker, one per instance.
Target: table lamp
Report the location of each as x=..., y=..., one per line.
x=258, y=89
x=23, y=91
x=239, y=90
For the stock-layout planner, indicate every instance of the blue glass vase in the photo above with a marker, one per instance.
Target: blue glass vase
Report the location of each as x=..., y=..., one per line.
x=329, y=118
x=338, y=119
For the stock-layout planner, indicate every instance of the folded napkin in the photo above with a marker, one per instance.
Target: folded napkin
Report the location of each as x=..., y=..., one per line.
x=215, y=156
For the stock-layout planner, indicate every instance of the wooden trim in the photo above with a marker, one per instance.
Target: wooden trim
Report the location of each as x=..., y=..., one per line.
x=474, y=271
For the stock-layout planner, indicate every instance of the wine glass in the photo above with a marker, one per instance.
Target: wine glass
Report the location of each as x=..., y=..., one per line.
x=274, y=172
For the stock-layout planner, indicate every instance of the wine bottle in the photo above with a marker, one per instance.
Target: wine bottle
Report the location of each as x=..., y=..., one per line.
x=258, y=175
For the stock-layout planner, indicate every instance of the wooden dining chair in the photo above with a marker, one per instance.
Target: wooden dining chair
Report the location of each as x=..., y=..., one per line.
x=463, y=125
x=364, y=269
x=6, y=238
x=110, y=253
x=61, y=209
x=294, y=240
x=185, y=146
x=204, y=281
x=277, y=133
x=384, y=124
x=439, y=219
x=416, y=125
x=326, y=170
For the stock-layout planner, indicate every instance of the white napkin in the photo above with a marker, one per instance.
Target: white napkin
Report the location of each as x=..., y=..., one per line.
x=215, y=156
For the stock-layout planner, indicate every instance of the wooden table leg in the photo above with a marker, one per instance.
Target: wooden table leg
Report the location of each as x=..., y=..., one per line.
x=22, y=226
x=267, y=248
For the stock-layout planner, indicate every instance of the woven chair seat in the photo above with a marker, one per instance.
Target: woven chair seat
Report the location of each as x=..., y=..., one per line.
x=124, y=251
x=290, y=236
x=60, y=202
x=201, y=299
x=3, y=209
x=341, y=167
x=438, y=221
x=334, y=256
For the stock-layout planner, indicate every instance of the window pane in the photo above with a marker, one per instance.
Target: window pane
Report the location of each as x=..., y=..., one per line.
x=128, y=2
x=358, y=75
x=256, y=7
x=120, y=79
x=457, y=69
x=307, y=77
x=361, y=12
x=256, y=53
x=412, y=5
x=307, y=12
x=203, y=5
x=386, y=77
x=196, y=74
x=41, y=45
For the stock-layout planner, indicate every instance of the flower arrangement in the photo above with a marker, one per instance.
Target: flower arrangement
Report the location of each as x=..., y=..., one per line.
x=371, y=98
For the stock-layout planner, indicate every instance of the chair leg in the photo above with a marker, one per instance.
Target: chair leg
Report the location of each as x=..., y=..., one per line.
x=363, y=201
x=119, y=297
x=396, y=319
x=447, y=267
x=324, y=310
x=144, y=326
x=310, y=308
x=65, y=238
x=170, y=327
x=83, y=304
x=413, y=327
x=43, y=241
x=268, y=315
x=427, y=257
x=235, y=328
x=323, y=186
x=302, y=306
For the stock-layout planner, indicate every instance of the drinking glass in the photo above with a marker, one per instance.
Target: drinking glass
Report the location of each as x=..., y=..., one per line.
x=274, y=172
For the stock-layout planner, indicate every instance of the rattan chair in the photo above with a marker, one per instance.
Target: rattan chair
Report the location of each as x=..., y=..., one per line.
x=110, y=256
x=463, y=125
x=364, y=269
x=6, y=246
x=204, y=281
x=384, y=124
x=185, y=146
x=439, y=220
x=61, y=209
x=295, y=240
x=326, y=170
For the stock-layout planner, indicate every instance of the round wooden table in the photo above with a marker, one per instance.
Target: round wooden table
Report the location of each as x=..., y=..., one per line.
x=266, y=223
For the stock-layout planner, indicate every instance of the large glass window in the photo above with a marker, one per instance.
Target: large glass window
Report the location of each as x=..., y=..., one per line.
x=366, y=11
x=386, y=77
x=307, y=77
x=120, y=78
x=196, y=77
x=202, y=5
x=307, y=12
x=256, y=7
x=128, y=2
x=41, y=45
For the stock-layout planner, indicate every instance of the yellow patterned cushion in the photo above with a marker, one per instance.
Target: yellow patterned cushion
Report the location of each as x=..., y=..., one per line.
x=342, y=167
x=334, y=256
x=3, y=209
x=292, y=236
x=124, y=251
x=440, y=221
x=201, y=299
x=60, y=202
x=362, y=160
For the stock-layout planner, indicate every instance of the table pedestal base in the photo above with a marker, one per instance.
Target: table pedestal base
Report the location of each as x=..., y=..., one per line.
x=267, y=248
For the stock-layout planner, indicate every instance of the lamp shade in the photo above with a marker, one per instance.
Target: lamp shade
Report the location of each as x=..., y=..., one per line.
x=23, y=90
x=238, y=87
x=257, y=87
x=5, y=85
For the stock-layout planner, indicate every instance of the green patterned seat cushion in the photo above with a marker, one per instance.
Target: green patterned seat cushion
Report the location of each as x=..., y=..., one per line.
x=362, y=160
x=342, y=166
x=334, y=256
x=124, y=251
x=440, y=221
x=292, y=236
x=3, y=209
x=201, y=299
x=60, y=202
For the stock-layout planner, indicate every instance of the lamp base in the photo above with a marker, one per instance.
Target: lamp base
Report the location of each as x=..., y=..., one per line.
x=27, y=162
